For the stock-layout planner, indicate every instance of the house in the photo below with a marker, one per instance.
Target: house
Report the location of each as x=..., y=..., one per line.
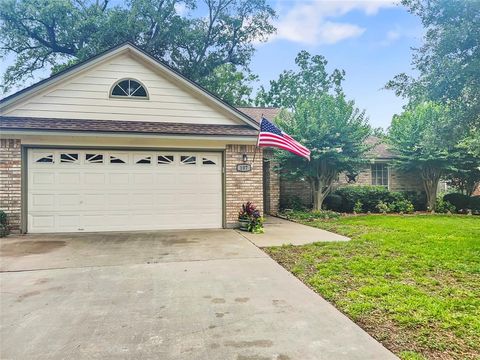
x=124, y=142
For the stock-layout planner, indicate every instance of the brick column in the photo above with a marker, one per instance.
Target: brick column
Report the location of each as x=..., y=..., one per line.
x=242, y=186
x=11, y=181
x=271, y=183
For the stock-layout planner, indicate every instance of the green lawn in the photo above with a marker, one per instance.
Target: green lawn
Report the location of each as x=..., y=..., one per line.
x=412, y=282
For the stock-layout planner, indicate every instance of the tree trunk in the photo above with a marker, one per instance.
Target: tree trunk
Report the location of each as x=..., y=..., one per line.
x=431, y=177
x=322, y=183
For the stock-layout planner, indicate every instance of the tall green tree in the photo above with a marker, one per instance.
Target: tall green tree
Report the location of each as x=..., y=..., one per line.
x=42, y=33
x=448, y=63
x=231, y=85
x=310, y=80
x=334, y=130
x=420, y=139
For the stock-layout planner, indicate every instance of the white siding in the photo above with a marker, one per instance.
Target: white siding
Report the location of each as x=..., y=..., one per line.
x=86, y=96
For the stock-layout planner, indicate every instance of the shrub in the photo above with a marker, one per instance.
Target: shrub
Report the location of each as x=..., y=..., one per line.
x=460, y=201
x=333, y=202
x=417, y=198
x=474, y=204
x=383, y=207
x=404, y=206
x=358, y=206
x=443, y=206
x=369, y=196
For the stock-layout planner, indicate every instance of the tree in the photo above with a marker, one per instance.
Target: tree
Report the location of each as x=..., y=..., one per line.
x=448, y=63
x=231, y=85
x=311, y=80
x=40, y=33
x=335, y=132
x=420, y=139
x=466, y=175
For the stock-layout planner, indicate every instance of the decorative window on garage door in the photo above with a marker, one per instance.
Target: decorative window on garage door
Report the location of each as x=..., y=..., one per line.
x=165, y=159
x=118, y=158
x=188, y=159
x=69, y=158
x=209, y=160
x=93, y=158
x=142, y=159
x=43, y=157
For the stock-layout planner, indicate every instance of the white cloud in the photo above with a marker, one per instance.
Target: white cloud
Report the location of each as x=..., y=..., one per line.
x=312, y=22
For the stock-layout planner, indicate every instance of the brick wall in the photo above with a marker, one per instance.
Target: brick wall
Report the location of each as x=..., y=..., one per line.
x=11, y=181
x=271, y=184
x=242, y=186
x=295, y=189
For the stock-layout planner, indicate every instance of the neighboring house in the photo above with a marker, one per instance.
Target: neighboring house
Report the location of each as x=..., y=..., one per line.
x=124, y=142
x=379, y=171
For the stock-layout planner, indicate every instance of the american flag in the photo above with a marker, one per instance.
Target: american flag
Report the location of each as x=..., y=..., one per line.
x=270, y=135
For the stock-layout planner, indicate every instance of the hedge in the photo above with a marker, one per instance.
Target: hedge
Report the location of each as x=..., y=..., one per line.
x=344, y=199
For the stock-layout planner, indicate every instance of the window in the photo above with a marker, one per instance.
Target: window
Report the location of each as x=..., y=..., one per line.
x=380, y=174
x=129, y=88
x=44, y=158
x=207, y=161
x=118, y=159
x=69, y=158
x=94, y=158
x=188, y=160
x=143, y=159
x=165, y=159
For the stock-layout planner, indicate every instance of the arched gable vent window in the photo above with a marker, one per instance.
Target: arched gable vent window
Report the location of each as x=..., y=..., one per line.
x=129, y=88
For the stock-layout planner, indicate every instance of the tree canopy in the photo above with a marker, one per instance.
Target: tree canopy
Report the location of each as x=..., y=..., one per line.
x=420, y=138
x=310, y=80
x=334, y=130
x=448, y=63
x=194, y=37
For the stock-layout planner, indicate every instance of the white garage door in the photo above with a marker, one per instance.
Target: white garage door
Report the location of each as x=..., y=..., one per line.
x=100, y=190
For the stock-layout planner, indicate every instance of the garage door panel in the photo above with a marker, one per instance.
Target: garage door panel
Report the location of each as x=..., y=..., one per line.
x=43, y=178
x=137, y=191
x=94, y=202
x=43, y=201
x=118, y=179
x=96, y=178
x=68, y=178
x=68, y=222
x=68, y=201
x=42, y=221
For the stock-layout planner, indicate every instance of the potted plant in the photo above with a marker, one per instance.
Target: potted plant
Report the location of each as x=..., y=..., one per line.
x=250, y=219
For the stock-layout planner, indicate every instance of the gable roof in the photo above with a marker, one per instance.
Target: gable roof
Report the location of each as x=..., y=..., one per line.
x=256, y=113
x=125, y=48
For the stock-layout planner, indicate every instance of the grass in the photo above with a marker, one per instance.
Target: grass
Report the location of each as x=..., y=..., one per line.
x=412, y=282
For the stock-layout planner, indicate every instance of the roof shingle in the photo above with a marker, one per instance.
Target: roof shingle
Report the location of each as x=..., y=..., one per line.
x=52, y=124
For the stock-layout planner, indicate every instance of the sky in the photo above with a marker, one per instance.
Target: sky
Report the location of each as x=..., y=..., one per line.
x=370, y=40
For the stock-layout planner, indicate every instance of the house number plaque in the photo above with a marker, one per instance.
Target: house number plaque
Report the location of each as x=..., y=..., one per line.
x=244, y=167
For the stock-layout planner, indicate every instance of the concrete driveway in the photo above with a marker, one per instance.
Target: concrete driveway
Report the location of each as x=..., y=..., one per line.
x=163, y=295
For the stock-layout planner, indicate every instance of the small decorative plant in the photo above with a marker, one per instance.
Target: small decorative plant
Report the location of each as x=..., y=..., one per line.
x=250, y=219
